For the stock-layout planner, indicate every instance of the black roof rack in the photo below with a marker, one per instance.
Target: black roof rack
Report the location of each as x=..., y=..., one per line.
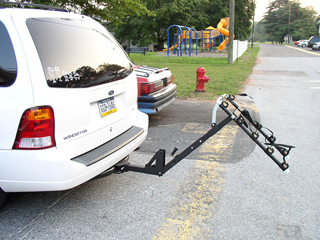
x=32, y=5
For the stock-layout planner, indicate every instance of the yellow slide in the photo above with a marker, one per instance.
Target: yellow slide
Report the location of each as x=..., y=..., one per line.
x=171, y=48
x=222, y=28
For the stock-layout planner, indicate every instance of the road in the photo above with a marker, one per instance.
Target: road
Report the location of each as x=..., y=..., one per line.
x=226, y=189
x=258, y=201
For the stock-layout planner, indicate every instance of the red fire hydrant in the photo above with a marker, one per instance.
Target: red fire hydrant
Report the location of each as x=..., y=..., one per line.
x=201, y=79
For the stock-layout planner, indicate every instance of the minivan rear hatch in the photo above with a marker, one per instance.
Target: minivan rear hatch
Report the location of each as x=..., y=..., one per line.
x=86, y=80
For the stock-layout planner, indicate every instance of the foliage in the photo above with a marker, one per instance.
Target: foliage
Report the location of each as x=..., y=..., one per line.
x=152, y=27
x=286, y=17
x=217, y=9
x=223, y=77
x=105, y=10
x=259, y=32
x=198, y=14
x=242, y=22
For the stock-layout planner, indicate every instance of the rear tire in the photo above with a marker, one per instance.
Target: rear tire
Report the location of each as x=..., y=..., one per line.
x=3, y=197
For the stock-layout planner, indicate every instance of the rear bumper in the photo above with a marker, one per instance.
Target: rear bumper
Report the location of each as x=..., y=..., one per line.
x=51, y=170
x=151, y=104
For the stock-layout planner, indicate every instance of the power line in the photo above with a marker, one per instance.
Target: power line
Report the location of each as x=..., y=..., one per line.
x=193, y=13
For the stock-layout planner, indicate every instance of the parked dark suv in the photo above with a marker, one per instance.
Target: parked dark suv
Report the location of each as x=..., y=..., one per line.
x=312, y=41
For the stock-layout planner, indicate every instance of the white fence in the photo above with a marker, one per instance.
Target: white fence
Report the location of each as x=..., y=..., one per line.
x=239, y=47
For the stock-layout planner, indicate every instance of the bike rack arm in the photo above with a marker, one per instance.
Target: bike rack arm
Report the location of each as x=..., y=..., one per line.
x=160, y=167
x=157, y=165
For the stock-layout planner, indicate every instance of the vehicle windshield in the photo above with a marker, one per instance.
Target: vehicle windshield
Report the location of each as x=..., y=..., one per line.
x=74, y=55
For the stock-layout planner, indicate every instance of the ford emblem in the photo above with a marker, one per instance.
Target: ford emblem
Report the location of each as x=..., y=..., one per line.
x=111, y=93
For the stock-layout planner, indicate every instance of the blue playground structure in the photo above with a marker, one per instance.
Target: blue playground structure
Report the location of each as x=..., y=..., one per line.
x=182, y=38
x=187, y=40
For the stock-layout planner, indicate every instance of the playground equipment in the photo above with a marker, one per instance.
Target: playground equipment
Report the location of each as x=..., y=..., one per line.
x=183, y=40
x=223, y=27
x=209, y=39
x=177, y=45
x=186, y=39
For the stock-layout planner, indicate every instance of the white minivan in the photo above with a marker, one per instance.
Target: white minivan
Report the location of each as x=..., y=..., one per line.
x=68, y=108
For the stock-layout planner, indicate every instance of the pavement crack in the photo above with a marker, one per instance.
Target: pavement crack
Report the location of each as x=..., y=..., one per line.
x=40, y=215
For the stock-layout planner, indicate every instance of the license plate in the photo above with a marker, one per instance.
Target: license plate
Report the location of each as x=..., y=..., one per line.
x=165, y=82
x=107, y=106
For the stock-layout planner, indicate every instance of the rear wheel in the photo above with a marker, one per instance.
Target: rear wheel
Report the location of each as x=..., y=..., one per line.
x=3, y=197
x=318, y=48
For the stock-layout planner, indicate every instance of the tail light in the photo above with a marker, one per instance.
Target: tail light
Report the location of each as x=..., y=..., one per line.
x=147, y=88
x=36, y=129
x=171, y=79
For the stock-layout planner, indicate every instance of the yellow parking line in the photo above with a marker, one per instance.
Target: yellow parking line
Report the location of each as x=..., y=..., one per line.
x=200, y=198
x=220, y=148
x=300, y=49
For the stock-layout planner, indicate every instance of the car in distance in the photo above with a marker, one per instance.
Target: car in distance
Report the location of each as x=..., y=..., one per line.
x=316, y=46
x=297, y=42
x=312, y=41
x=302, y=43
x=156, y=89
x=68, y=101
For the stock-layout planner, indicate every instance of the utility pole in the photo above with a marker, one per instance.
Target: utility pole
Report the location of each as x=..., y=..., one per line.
x=252, y=34
x=254, y=13
x=231, y=30
x=289, y=22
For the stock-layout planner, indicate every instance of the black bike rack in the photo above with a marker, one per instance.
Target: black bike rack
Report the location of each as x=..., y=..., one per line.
x=157, y=165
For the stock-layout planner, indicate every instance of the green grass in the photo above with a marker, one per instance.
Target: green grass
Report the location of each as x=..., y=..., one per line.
x=223, y=77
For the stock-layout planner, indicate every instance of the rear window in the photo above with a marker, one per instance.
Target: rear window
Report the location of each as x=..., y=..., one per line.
x=74, y=55
x=315, y=39
x=8, y=63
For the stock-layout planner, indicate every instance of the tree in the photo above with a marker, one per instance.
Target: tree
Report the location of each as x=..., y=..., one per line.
x=288, y=17
x=152, y=27
x=259, y=32
x=305, y=27
x=198, y=14
x=114, y=11
x=244, y=12
x=214, y=11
